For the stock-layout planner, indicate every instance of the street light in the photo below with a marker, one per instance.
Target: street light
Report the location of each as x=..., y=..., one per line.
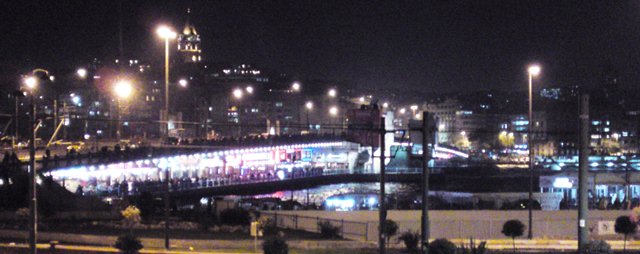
x=309, y=106
x=402, y=111
x=533, y=70
x=123, y=91
x=249, y=89
x=31, y=82
x=295, y=87
x=332, y=93
x=82, y=73
x=237, y=93
x=167, y=34
x=385, y=105
x=413, y=109
x=183, y=82
x=333, y=111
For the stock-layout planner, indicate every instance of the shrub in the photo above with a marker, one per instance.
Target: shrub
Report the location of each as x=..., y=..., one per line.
x=131, y=216
x=275, y=245
x=597, y=247
x=626, y=227
x=390, y=229
x=513, y=229
x=235, y=216
x=473, y=249
x=410, y=239
x=328, y=230
x=128, y=244
x=442, y=246
x=267, y=225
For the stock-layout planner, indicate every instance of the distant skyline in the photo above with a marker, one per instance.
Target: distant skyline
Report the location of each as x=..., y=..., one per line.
x=436, y=46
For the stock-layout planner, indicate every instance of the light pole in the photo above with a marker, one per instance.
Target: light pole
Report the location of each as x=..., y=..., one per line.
x=167, y=34
x=123, y=90
x=533, y=70
x=31, y=83
x=309, y=106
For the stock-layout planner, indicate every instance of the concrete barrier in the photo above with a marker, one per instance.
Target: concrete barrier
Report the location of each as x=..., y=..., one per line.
x=478, y=224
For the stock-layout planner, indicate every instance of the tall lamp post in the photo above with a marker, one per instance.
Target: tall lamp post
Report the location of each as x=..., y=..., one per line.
x=123, y=90
x=31, y=83
x=309, y=107
x=533, y=71
x=167, y=34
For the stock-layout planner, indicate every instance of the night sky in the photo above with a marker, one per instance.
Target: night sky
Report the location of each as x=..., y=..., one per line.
x=430, y=45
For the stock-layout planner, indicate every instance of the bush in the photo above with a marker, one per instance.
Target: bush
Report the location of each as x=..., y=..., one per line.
x=275, y=245
x=597, y=247
x=410, y=240
x=442, y=246
x=473, y=249
x=626, y=227
x=267, y=225
x=128, y=244
x=328, y=230
x=513, y=229
x=390, y=229
x=235, y=216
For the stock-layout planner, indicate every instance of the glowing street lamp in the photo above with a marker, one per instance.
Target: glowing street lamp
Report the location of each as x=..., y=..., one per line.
x=31, y=82
x=533, y=70
x=167, y=34
x=249, y=90
x=332, y=93
x=385, y=105
x=123, y=89
x=82, y=73
x=402, y=111
x=295, y=86
x=309, y=106
x=333, y=111
x=237, y=93
x=183, y=82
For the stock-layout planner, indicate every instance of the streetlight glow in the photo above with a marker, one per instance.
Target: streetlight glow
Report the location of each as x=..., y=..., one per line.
x=534, y=70
x=309, y=105
x=82, y=73
x=249, y=89
x=361, y=99
x=333, y=111
x=237, y=93
x=183, y=82
x=295, y=86
x=31, y=82
x=166, y=33
x=385, y=105
x=123, y=89
x=332, y=92
x=403, y=110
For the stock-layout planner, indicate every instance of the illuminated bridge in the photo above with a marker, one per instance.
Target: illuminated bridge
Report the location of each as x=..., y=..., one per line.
x=244, y=171
x=267, y=169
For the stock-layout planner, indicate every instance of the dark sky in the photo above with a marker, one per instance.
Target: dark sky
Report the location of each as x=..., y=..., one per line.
x=431, y=45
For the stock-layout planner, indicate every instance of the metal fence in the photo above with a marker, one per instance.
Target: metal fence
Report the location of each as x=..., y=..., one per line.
x=348, y=229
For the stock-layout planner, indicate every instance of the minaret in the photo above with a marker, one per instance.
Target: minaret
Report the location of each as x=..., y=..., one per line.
x=189, y=43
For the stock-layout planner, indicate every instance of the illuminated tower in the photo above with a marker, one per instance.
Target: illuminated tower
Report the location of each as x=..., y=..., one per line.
x=189, y=43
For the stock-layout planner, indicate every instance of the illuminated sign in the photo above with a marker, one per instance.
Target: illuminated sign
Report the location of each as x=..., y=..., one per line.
x=307, y=154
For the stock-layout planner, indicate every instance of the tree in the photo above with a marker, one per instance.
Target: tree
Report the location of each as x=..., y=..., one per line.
x=131, y=216
x=410, y=240
x=625, y=226
x=442, y=246
x=128, y=244
x=390, y=229
x=513, y=229
x=597, y=247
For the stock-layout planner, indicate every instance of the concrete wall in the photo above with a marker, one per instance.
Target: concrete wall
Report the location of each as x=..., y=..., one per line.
x=479, y=224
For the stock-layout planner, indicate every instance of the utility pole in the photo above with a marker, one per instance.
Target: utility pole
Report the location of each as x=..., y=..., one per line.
x=33, y=209
x=167, y=177
x=583, y=174
x=381, y=202
x=426, y=156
